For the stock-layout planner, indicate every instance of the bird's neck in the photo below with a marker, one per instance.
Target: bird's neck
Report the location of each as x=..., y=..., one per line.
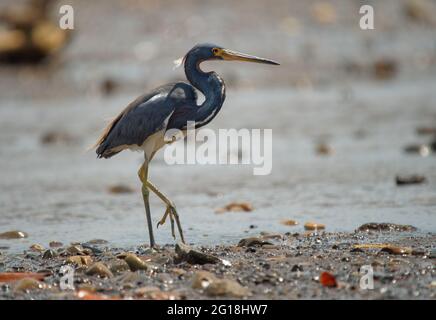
x=210, y=85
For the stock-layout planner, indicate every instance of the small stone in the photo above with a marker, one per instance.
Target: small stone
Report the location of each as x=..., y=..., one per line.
x=297, y=268
x=385, y=68
x=289, y=222
x=13, y=235
x=323, y=149
x=226, y=287
x=314, y=226
x=57, y=137
x=120, y=189
x=97, y=241
x=419, y=11
x=186, y=253
x=236, y=207
x=396, y=250
x=407, y=180
x=328, y=280
x=266, y=235
x=74, y=250
x=202, y=279
x=79, y=260
x=49, y=254
x=36, y=247
x=178, y=272
x=118, y=266
x=155, y=293
x=426, y=130
x=108, y=86
x=253, y=242
x=422, y=150
x=28, y=284
x=55, y=244
x=135, y=263
x=386, y=227
x=99, y=269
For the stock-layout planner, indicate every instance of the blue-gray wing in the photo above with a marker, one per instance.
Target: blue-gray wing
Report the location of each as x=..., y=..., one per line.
x=143, y=117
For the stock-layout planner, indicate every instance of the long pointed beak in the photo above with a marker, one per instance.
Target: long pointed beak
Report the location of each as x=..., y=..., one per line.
x=238, y=56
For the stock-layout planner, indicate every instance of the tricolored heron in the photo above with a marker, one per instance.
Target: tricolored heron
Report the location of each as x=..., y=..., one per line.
x=143, y=123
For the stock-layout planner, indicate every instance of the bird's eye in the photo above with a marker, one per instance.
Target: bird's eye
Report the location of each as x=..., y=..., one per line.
x=215, y=51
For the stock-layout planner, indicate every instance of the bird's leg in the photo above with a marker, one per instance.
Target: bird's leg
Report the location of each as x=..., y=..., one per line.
x=170, y=211
x=143, y=173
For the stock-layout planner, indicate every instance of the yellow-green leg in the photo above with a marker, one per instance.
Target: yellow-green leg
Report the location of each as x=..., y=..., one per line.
x=170, y=211
x=143, y=174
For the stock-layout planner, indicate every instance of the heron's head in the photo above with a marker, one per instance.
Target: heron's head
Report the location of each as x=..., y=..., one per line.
x=205, y=52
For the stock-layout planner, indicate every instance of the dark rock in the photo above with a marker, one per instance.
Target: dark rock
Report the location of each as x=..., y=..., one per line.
x=55, y=244
x=421, y=149
x=253, y=242
x=49, y=254
x=297, y=267
x=373, y=226
x=412, y=179
x=186, y=253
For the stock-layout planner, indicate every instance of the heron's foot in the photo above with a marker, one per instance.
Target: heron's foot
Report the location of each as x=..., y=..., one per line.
x=171, y=212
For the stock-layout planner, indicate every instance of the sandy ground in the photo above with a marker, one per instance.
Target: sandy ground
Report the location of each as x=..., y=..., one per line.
x=317, y=265
x=327, y=90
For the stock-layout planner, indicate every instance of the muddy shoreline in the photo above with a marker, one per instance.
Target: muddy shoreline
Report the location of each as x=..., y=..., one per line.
x=310, y=265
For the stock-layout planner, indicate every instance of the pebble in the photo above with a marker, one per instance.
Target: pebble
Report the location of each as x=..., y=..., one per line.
x=328, y=280
x=36, y=247
x=265, y=235
x=236, y=207
x=74, y=250
x=385, y=68
x=423, y=150
x=120, y=189
x=396, y=250
x=49, y=254
x=323, y=149
x=202, y=279
x=99, y=269
x=55, y=244
x=13, y=235
x=253, y=242
x=28, y=284
x=412, y=179
x=178, y=271
x=57, y=137
x=289, y=222
x=135, y=263
x=186, y=253
x=79, y=260
x=154, y=293
x=426, y=130
x=226, y=287
x=314, y=226
x=118, y=266
x=386, y=227
x=97, y=241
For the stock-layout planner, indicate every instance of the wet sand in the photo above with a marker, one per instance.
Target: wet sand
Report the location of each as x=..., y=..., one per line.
x=314, y=265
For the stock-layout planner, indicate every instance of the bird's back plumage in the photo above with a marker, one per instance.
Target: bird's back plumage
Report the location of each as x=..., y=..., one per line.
x=148, y=114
